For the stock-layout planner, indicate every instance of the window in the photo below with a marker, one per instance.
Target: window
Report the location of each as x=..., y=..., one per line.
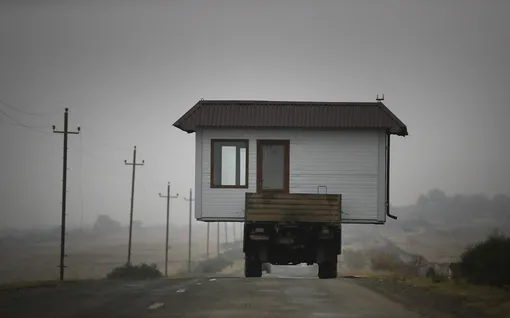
x=229, y=163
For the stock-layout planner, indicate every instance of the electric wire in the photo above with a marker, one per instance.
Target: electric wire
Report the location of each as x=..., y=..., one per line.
x=18, y=123
x=52, y=113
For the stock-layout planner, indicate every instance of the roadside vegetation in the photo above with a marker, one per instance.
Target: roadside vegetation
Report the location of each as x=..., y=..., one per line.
x=486, y=263
x=220, y=262
x=150, y=271
x=214, y=265
x=135, y=272
x=33, y=284
x=479, y=280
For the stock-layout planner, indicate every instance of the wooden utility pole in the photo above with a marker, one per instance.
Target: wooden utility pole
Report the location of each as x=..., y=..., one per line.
x=190, y=199
x=207, y=249
x=134, y=164
x=168, y=197
x=226, y=233
x=66, y=132
x=218, y=238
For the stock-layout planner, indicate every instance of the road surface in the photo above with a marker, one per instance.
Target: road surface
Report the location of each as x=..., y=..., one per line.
x=286, y=292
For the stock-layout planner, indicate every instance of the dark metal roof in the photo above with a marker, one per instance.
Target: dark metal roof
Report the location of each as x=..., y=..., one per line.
x=289, y=114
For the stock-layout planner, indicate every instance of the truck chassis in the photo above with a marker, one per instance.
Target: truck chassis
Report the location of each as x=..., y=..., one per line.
x=290, y=229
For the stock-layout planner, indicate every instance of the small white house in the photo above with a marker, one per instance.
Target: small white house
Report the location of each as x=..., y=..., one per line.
x=295, y=147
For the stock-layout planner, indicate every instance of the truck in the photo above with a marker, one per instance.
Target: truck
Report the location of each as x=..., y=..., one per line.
x=293, y=172
x=290, y=229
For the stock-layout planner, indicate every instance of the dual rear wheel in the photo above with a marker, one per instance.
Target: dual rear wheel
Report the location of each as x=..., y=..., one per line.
x=328, y=270
x=252, y=268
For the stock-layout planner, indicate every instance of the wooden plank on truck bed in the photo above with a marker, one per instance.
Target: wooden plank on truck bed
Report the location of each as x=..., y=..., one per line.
x=293, y=207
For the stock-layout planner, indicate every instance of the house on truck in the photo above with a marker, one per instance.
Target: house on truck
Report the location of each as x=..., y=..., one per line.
x=245, y=146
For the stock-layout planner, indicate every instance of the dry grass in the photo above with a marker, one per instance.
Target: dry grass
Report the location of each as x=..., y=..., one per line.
x=491, y=300
x=33, y=284
x=38, y=262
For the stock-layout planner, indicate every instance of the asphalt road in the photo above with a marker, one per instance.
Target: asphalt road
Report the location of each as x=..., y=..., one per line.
x=286, y=292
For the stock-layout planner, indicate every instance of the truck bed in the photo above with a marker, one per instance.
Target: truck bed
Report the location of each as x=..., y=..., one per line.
x=293, y=208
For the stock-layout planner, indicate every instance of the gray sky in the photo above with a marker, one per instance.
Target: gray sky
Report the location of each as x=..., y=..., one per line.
x=128, y=70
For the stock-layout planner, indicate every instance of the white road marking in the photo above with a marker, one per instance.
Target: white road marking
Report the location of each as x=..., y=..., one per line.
x=334, y=315
x=212, y=279
x=290, y=277
x=156, y=306
x=182, y=290
x=199, y=283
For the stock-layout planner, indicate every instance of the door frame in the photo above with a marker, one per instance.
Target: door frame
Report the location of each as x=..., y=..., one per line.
x=286, y=164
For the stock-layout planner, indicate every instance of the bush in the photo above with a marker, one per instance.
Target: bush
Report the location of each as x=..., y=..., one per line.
x=434, y=276
x=487, y=262
x=135, y=272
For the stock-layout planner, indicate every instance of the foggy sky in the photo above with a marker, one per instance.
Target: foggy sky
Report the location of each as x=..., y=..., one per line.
x=128, y=70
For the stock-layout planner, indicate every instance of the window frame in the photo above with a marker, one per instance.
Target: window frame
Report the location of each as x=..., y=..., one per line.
x=247, y=143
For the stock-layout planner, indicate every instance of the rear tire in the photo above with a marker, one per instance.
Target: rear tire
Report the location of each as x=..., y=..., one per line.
x=328, y=270
x=252, y=268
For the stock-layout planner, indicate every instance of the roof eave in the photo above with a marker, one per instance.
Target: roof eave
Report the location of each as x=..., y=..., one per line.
x=183, y=118
x=401, y=131
x=178, y=125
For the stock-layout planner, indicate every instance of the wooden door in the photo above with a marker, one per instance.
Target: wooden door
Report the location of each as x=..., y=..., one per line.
x=273, y=165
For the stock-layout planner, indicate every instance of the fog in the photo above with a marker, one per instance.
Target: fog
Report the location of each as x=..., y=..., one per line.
x=127, y=70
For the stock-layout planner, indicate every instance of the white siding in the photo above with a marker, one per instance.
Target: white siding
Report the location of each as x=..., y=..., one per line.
x=348, y=162
x=198, y=174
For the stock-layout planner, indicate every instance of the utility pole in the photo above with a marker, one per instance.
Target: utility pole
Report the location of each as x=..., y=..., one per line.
x=168, y=197
x=134, y=164
x=226, y=233
x=234, y=227
x=66, y=132
x=190, y=199
x=207, y=249
x=218, y=238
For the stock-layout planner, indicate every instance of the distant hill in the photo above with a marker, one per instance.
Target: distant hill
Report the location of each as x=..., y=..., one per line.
x=436, y=226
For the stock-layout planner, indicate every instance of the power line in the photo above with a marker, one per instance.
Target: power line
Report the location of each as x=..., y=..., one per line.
x=32, y=128
x=101, y=140
x=30, y=113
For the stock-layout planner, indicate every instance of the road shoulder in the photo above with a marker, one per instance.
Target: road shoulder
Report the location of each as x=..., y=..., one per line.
x=431, y=301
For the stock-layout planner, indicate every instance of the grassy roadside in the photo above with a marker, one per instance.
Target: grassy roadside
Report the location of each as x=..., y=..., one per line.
x=36, y=284
x=458, y=298
x=490, y=300
x=225, y=263
x=228, y=262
